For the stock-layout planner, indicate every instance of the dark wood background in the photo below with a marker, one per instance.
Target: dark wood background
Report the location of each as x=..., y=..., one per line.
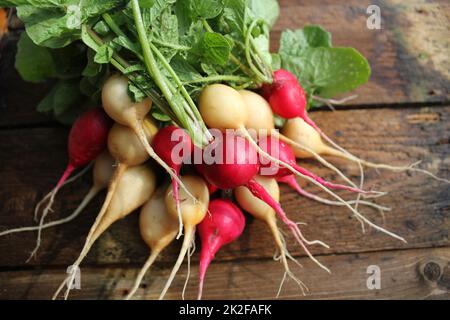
x=400, y=116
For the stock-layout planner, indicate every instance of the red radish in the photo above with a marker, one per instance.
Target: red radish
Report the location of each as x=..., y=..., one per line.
x=87, y=139
x=173, y=145
x=241, y=170
x=193, y=212
x=135, y=186
x=158, y=229
x=283, y=151
x=102, y=173
x=224, y=224
x=292, y=182
x=287, y=97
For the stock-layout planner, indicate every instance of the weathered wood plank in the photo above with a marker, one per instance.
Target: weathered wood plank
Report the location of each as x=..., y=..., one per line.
x=32, y=159
x=404, y=274
x=409, y=56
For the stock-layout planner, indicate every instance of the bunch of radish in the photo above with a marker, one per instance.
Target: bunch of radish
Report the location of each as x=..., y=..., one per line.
x=247, y=155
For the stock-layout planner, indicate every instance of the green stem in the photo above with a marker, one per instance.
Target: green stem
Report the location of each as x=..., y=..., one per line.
x=152, y=67
x=219, y=78
x=258, y=73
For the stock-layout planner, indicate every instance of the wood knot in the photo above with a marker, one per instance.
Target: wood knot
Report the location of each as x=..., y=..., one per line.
x=432, y=271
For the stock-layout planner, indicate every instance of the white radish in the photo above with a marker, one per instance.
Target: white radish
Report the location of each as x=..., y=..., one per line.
x=135, y=186
x=193, y=212
x=158, y=229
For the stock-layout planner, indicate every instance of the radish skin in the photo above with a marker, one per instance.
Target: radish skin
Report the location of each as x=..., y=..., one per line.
x=193, y=213
x=223, y=225
x=135, y=186
x=165, y=144
x=158, y=229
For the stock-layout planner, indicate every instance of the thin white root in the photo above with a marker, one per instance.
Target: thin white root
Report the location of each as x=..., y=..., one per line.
x=191, y=251
x=89, y=241
x=91, y=194
x=331, y=102
x=151, y=259
x=280, y=163
x=187, y=241
x=68, y=181
x=316, y=156
x=281, y=247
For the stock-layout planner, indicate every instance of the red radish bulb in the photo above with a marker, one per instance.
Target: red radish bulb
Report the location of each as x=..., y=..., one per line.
x=224, y=224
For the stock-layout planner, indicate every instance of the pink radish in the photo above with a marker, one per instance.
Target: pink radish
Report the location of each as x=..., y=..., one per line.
x=87, y=139
x=193, y=211
x=224, y=224
x=158, y=229
x=135, y=186
x=173, y=145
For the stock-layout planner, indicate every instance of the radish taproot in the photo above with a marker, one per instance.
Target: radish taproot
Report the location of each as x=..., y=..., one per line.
x=224, y=223
x=102, y=173
x=282, y=151
x=173, y=145
x=262, y=211
x=292, y=182
x=119, y=106
x=87, y=139
x=193, y=212
x=158, y=229
x=134, y=188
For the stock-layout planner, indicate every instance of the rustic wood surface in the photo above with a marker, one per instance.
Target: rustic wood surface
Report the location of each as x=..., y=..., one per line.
x=401, y=115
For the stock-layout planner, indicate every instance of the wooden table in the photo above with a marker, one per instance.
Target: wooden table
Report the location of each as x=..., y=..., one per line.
x=400, y=116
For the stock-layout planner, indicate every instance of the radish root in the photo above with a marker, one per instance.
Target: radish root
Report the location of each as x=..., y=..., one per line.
x=89, y=239
x=91, y=194
x=151, y=259
x=187, y=242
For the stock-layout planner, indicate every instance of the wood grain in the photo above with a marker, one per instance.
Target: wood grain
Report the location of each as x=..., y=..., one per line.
x=421, y=206
x=409, y=55
x=405, y=274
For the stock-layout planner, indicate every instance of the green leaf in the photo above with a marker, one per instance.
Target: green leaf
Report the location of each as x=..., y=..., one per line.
x=234, y=14
x=58, y=23
x=146, y=3
x=160, y=116
x=63, y=96
x=92, y=68
x=207, y=9
x=268, y=10
x=328, y=71
x=34, y=63
x=216, y=48
x=104, y=54
x=293, y=42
